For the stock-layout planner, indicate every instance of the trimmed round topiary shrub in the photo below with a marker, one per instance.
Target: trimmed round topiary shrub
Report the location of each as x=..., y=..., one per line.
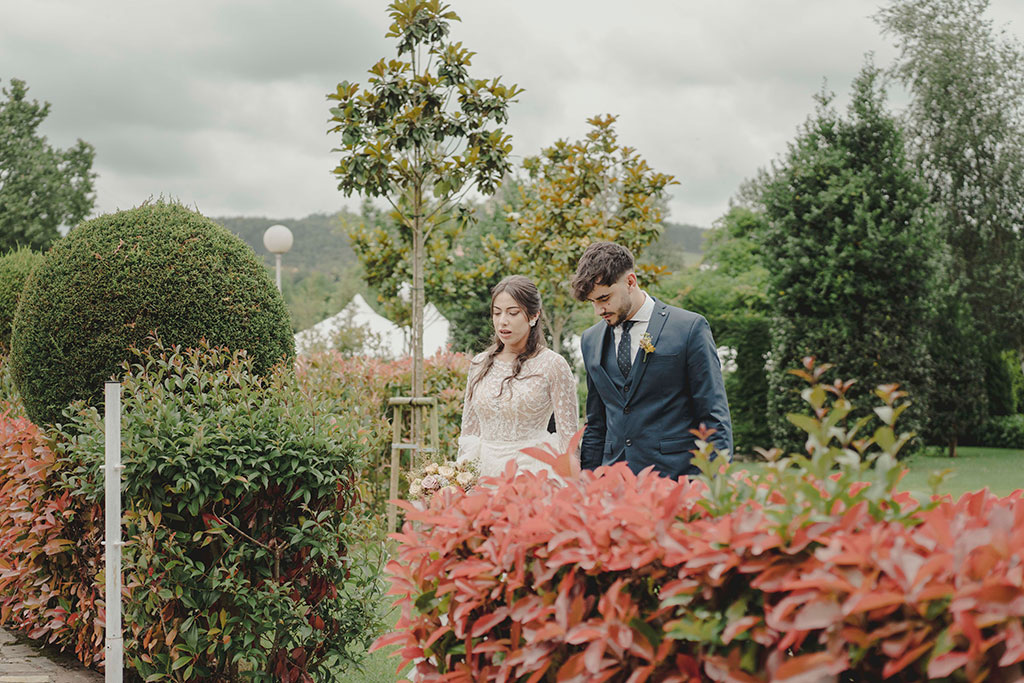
x=113, y=281
x=15, y=267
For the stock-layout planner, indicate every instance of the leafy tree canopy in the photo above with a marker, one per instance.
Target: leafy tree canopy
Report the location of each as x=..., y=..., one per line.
x=966, y=125
x=41, y=188
x=421, y=134
x=577, y=193
x=852, y=247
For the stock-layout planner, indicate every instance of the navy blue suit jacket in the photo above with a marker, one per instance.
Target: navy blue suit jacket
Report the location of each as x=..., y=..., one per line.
x=647, y=419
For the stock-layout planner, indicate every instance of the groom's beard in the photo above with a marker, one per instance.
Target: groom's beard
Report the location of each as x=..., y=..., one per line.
x=620, y=316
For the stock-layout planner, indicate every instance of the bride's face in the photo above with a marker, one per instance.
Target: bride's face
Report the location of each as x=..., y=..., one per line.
x=511, y=323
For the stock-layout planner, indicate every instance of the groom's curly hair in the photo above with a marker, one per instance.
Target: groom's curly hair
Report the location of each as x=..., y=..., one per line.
x=603, y=263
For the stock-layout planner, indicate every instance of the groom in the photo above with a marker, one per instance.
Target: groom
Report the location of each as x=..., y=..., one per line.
x=652, y=372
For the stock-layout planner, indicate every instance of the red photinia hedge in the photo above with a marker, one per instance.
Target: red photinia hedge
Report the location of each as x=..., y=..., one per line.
x=50, y=548
x=622, y=577
x=524, y=574
x=361, y=387
x=816, y=568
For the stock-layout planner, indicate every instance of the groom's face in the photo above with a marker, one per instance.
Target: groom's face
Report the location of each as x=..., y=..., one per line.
x=612, y=302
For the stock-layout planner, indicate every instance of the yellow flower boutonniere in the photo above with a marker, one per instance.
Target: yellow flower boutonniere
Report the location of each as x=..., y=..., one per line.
x=647, y=345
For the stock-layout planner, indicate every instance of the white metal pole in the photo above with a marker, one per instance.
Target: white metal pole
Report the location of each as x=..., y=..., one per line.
x=114, y=661
x=278, y=258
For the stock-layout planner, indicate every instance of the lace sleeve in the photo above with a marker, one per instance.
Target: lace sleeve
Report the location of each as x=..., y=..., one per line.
x=469, y=434
x=564, y=400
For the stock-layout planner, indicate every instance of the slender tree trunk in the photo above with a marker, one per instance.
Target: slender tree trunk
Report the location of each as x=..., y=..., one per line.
x=952, y=446
x=417, y=314
x=557, y=326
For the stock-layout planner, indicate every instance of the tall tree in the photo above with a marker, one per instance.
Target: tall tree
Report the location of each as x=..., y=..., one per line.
x=41, y=188
x=459, y=276
x=966, y=128
x=577, y=193
x=730, y=287
x=959, y=394
x=852, y=251
x=469, y=312
x=422, y=135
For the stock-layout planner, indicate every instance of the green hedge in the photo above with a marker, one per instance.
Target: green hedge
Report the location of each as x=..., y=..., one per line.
x=247, y=531
x=1003, y=431
x=15, y=267
x=116, y=280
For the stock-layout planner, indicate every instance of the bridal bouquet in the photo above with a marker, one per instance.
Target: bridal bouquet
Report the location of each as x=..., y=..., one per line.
x=433, y=477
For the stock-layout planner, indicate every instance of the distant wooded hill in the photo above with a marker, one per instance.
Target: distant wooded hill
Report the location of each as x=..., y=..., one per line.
x=689, y=238
x=322, y=246
x=321, y=273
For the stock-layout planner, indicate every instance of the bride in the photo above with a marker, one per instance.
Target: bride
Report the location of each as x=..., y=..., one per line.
x=515, y=385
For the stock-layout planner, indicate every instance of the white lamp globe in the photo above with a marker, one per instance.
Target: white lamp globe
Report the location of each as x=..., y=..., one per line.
x=277, y=239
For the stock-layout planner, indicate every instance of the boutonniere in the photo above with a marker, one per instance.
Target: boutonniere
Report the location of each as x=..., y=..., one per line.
x=647, y=345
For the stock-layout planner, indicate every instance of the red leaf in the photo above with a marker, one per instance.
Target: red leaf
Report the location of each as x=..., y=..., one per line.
x=872, y=601
x=1014, y=644
x=593, y=656
x=436, y=635
x=811, y=668
x=488, y=621
x=738, y=627
x=944, y=665
x=895, y=666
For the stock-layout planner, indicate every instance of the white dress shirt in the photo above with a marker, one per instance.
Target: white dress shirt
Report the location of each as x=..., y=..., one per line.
x=641, y=319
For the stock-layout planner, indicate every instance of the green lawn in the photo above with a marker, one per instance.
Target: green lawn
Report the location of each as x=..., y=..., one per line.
x=379, y=666
x=999, y=469
x=974, y=468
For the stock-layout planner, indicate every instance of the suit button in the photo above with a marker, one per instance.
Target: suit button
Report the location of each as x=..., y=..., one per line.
x=626, y=410
x=626, y=388
x=629, y=442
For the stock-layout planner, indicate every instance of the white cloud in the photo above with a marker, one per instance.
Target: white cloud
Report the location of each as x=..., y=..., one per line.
x=221, y=103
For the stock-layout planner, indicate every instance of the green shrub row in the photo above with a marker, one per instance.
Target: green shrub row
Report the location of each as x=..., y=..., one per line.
x=247, y=552
x=1001, y=431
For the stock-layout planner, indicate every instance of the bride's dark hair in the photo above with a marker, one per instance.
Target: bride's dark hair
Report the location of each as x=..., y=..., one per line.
x=525, y=293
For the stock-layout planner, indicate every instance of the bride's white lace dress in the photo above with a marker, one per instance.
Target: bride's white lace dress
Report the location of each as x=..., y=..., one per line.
x=497, y=424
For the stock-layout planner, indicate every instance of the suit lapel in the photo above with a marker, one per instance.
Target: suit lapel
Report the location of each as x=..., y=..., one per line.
x=596, y=368
x=657, y=323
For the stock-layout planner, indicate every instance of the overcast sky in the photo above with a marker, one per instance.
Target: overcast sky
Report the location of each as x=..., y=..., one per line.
x=221, y=103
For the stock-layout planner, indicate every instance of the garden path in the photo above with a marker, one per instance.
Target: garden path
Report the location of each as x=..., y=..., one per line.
x=22, y=662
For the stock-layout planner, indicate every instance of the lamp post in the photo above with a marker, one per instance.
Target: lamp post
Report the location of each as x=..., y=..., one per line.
x=278, y=240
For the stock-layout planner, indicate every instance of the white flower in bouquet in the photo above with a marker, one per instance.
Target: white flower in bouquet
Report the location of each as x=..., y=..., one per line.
x=434, y=477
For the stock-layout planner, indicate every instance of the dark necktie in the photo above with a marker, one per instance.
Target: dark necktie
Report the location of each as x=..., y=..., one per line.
x=623, y=356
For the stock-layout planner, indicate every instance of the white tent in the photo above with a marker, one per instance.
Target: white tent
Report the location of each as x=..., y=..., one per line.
x=435, y=331
x=389, y=340
x=356, y=314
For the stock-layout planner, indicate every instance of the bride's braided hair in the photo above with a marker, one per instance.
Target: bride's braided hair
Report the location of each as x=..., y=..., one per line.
x=525, y=293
